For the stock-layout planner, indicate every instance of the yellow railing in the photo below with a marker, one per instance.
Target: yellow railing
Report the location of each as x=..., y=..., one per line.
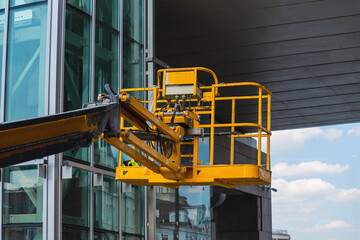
x=262, y=131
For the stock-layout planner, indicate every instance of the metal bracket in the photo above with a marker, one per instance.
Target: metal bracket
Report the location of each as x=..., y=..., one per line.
x=42, y=170
x=98, y=179
x=66, y=172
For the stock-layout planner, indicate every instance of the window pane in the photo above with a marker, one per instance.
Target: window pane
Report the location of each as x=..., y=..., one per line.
x=84, y=5
x=28, y=233
x=165, y=209
x=130, y=237
x=105, y=236
x=133, y=210
x=23, y=195
x=106, y=204
x=76, y=193
x=106, y=59
x=22, y=2
x=195, y=213
x=26, y=62
x=74, y=233
x=77, y=68
x=108, y=12
x=2, y=6
x=106, y=71
x=133, y=68
x=133, y=20
x=2, y=20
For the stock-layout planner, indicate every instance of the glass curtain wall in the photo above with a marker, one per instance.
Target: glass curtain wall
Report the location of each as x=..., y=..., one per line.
x=24, y=82
x=77, y=62
x=22, y=208
x=26, y=60
x=133, y=77
x=92, y=58
x=185, y=213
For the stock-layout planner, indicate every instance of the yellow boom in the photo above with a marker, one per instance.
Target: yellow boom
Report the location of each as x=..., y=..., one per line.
x=156, y=135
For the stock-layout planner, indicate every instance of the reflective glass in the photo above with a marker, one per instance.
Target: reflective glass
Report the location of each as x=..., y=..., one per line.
x=105, y=236
x=186, y=211
x=130, y=237
x=22, y=2
x=22, y=232
x=106, y=59
x=2, y=21
x=194, y=216
x=106, y=204
x=106, y=71
x=133, y=210
x=108, y=12
x=22, y=195
x=75, y=194
x=133, y=19
x=133, y=67
x=77, y=67
x=83, y=5
x=70, y=233
x=165, y=209
x=26, y=62
x=2, y=6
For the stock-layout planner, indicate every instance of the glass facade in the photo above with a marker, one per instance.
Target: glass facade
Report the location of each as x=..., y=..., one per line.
x=133, y=202
x=133, y=213
x=106, y=207
x=22, y=210
x=92, y=205
x=185, y=213
x=26, y=56
x=93, y=48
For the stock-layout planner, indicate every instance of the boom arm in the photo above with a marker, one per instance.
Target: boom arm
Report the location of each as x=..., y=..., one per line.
x=159, y=134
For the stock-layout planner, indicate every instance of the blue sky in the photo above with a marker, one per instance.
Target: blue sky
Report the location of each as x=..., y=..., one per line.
x=317, y=174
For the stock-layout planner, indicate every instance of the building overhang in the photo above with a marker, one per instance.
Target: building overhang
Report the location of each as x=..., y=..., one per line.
x=306, y=52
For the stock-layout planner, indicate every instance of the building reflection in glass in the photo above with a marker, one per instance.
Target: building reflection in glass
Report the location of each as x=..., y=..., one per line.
x=184, y=213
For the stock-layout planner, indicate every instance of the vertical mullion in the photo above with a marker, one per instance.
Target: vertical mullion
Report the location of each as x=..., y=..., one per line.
x=146, y=97
x=54, y=96
x=120, y=208
x=45, y=215
x=145, y=48
x=4, y=62
x=2, y=100
x=121, y=46
x=93, y=34
x=1, y=200
x=92, y=98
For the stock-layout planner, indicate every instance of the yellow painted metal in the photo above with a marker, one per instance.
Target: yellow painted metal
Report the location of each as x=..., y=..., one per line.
x=260, y=124
x=232, y=130
x=138, y=110
x=23, y=135
x=182, y=76
x=120, y=145
x=172, y=163
x=164, y=167
x=167, y=170
x=224, y=175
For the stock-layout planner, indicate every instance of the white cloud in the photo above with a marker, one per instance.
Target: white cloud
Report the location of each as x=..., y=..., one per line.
x=332, y=225
x=306, y=190
x=354, y=132
x=196, y=189
x=332, y=134
x=307, y=169
x=288, y=140
x=345, y=195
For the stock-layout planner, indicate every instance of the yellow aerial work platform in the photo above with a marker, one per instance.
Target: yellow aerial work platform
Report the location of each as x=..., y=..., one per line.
x=153, y=131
